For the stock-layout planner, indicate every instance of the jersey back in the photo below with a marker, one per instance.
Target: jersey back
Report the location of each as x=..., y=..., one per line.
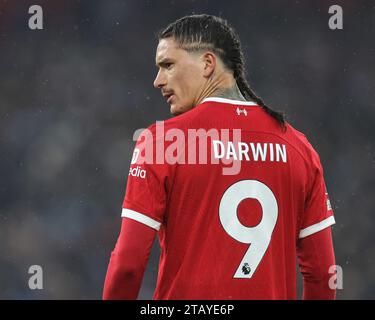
x=231, y=193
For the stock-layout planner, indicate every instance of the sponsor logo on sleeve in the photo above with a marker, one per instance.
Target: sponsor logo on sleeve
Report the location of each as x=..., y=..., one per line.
x=135, y=156
x=137, y=172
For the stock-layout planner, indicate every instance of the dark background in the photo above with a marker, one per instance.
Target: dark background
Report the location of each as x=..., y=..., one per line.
x=72, y=94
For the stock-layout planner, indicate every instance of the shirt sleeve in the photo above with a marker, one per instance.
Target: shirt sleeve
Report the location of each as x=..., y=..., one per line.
x=316, y=257
x=318, y=213
x=128, y=261
x=146, y=190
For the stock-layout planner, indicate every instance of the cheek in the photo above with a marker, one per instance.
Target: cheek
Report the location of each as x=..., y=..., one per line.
x=187, y=84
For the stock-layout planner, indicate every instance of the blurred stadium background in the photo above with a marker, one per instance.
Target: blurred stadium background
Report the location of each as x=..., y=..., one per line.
x=72, y=94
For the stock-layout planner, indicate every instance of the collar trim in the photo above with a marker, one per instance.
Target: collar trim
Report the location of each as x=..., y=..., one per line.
x=230, y=101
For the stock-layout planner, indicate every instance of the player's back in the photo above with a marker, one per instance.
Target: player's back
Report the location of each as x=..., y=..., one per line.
x=231, y=225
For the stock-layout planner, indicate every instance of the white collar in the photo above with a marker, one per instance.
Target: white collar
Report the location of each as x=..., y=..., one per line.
x=229, y=101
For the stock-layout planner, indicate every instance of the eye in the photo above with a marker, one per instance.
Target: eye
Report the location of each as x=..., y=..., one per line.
x=168, y=65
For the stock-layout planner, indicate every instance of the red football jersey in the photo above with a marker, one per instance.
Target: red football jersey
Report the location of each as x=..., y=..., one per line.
x=229, y=205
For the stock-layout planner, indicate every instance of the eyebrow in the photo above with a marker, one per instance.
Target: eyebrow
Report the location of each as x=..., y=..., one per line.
x=163, y=62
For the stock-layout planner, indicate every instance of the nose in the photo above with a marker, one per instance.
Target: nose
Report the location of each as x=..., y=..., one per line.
x=160, y=80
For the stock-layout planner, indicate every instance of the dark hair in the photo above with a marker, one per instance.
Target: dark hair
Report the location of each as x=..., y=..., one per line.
x=200, y=32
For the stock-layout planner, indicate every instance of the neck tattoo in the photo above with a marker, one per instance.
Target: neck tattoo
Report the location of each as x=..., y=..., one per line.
x=232, y=93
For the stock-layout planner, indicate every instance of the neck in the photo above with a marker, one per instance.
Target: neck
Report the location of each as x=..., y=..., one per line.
x=222, y=86
x=232, y=93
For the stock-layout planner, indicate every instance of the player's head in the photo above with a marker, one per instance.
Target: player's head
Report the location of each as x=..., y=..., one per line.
x=193, y=54
x=192, y=51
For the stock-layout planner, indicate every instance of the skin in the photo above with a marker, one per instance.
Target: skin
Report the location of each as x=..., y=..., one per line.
x=186, y=78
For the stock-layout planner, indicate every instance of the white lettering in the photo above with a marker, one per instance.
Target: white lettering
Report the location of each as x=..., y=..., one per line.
x=259, y=151
x=36, y=20
x=231, y=153
x=36, y=280
x=175, y=152
x=243, y=150
x=217, y=143
x=137, y=172
x=229, y=150
x=336, y=280
x=135, y=156
x=271, y=151
x=157, y=310
x=336, y=20
x=202, y=135
x=280, y=151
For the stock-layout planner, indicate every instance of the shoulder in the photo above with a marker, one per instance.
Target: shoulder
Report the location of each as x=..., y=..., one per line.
x=158, y=133
x=303, y=144
x=182, y=121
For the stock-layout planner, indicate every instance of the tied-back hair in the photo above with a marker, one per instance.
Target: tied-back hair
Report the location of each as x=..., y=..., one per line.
x=206, y=32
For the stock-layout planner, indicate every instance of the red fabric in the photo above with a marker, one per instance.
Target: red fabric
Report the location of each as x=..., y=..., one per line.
x=128, y=261
x=200, y=259
x=316, y=256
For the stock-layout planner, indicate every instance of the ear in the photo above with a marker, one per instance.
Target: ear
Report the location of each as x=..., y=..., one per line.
x=209, y=62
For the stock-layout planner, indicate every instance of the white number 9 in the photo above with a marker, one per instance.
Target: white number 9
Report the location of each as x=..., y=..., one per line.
x=260, y=235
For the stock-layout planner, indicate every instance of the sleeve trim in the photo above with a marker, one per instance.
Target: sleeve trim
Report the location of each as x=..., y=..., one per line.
x=317, y=227
x=140, y=217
